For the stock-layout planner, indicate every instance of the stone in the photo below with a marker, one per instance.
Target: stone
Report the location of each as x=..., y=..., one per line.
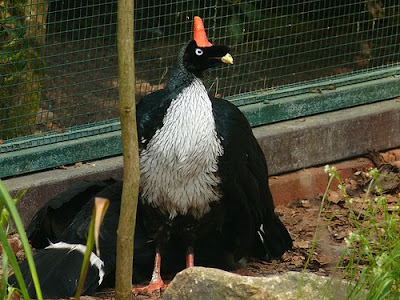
x=200, y=283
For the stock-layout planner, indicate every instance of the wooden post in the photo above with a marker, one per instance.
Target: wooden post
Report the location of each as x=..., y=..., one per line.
x=127, y=221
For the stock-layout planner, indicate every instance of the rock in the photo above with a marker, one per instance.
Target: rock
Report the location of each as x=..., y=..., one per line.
x=200, y=283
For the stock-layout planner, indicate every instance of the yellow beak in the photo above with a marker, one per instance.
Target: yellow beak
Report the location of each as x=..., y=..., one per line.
x=227, y=59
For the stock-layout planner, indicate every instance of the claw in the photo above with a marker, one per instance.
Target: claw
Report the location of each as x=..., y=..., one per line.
x=153, y=286
x=156, y=283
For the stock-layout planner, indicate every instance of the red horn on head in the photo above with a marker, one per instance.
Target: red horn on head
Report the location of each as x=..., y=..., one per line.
x=199, y=33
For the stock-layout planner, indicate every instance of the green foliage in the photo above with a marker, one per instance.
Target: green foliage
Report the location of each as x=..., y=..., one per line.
x=4, y=267
x=332, y=175
x=243, y=13
x=21, y=62
x=6, y=202
x=236, y=29
x=374, y=246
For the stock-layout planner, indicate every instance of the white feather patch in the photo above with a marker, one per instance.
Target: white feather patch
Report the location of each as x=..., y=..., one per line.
x=260, y=235
x=179, y=166
x=94, y=259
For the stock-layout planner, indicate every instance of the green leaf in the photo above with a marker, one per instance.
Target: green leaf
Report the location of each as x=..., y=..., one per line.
x=101, y=206
x=14, y=263
x=10, y=291
x=8, y=202
x=4, y=281
x=236, y=29
x=5, y=215
x=250, y=11
x=99, y=209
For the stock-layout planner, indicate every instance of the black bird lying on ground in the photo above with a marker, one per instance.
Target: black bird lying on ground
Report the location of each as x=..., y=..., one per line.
x=59, y=231
x=203, y=188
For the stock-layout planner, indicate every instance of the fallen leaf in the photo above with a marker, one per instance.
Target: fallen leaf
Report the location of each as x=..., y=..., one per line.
x=341, y=234
x=302, y=244
x=298, y=260
x=391, y=199
x=334, y=197
x=396, y=164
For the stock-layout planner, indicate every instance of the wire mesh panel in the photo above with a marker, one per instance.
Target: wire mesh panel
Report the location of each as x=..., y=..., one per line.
x=58, y=59
x=283, y=43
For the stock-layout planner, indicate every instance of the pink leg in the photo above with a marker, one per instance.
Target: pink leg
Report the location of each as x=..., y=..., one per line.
x=189, y=257
x=156, y=282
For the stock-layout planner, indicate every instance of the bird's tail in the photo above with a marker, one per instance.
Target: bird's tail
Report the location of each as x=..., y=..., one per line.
x=273, y=239
x=58, y=267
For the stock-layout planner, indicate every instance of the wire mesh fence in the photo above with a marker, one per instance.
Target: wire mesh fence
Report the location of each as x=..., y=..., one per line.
x=58, y=59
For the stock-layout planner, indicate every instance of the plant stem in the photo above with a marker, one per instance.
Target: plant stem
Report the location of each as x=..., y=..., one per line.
x=127, y=221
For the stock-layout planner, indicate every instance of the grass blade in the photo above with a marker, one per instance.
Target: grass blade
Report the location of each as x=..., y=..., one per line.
x=4, y=281
x=14, y=263
x=8, y=202
x=99, y=209
x=101, y=206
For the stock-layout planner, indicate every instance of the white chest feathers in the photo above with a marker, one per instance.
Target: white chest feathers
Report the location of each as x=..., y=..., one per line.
x=179, y=165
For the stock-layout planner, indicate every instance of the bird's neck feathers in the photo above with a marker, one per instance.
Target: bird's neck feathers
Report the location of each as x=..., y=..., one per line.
x=180, y=77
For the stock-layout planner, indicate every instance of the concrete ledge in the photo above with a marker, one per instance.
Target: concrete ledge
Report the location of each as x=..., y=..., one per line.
x=43, y=186
x=329, y=137
x=289, y=146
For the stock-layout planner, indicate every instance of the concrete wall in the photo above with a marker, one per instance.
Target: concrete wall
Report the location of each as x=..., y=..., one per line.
x=329, y=137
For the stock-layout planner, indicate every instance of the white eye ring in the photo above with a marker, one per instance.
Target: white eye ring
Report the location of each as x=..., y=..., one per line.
x=198, y=52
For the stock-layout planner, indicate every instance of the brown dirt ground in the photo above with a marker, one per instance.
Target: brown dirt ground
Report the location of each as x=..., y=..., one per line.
x=301, y=219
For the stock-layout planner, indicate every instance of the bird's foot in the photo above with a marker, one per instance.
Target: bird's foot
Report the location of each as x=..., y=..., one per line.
x=154, y=285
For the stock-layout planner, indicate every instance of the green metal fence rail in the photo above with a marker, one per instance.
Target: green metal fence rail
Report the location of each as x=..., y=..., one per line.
x=58, y=66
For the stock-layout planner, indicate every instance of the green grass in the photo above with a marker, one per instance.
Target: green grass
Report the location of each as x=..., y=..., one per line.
x=371, y=259
x=8, y=209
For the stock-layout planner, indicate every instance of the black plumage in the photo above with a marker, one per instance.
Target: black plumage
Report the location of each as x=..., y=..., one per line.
x=50, y=222
x=251, y=220
x=60, y=242
x=235, y=207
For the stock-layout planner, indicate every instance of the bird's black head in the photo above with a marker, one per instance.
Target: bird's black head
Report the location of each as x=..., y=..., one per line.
x=198, y=59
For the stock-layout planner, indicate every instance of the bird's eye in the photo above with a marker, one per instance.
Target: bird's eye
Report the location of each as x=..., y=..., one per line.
x=198, y=52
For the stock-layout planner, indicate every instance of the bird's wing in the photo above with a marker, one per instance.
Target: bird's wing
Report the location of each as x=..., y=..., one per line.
x=252, y=226
x=150, y=111
x=50, y=222
x=78, y=230
x=242, y=165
